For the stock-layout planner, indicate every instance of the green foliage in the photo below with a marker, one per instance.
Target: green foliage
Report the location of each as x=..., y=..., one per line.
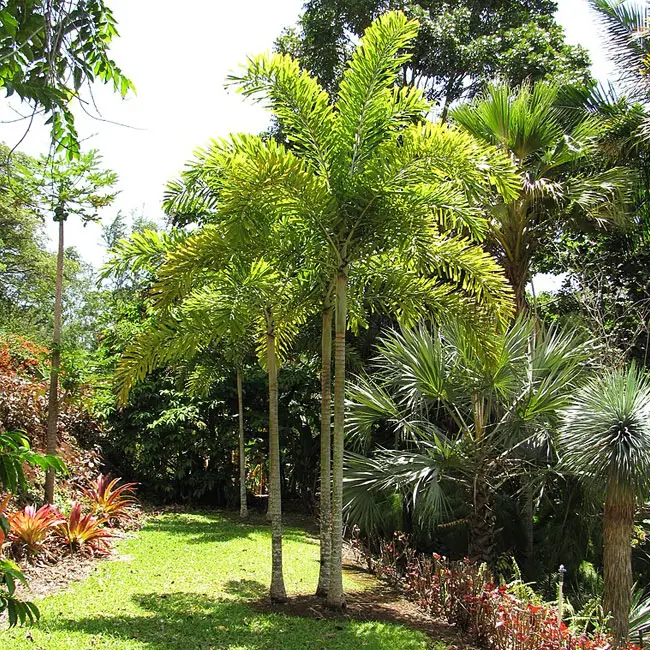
x=18, y=611
x=460, y=409
x=50, y=51
x=458, y=50
x=15, y=451
x=606, y=432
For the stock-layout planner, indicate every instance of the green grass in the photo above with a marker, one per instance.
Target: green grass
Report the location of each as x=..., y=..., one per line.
x=190, y=582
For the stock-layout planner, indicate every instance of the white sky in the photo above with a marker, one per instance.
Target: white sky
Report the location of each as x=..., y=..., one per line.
x=178, y=57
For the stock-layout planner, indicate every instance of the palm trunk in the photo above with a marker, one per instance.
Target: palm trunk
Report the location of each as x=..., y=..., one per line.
x=243, y=509
x=482, y=522
x=278, y=592
x=528, y=515
x=618, y=523
x=53, y=397
x=335, y=595
x=325, y=454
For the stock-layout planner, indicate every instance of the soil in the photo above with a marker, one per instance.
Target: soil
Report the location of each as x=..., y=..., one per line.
x=378, y=602
x=46, y=579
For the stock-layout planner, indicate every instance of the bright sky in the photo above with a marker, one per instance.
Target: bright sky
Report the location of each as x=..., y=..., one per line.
x=178, y=57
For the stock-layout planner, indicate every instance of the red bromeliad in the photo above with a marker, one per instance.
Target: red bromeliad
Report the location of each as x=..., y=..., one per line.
x=31, y=528
x=84, y=532
x=111, y=501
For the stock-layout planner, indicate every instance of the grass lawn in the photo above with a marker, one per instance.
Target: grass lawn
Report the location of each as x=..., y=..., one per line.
x=191, y=582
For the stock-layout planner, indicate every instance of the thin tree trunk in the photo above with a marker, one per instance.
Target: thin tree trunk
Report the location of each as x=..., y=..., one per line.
x=335, y=595
x=53, y=397
x=278, y=592
x=618, y=523
x=325, y=454
x=243, y=509
x=529, y=529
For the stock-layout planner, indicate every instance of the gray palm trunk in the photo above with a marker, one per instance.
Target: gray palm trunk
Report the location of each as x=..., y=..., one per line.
x=243, y=509
x=335, y=595
x=618, y=522
x=278, y=592
x=325, y=454
x=53, y=397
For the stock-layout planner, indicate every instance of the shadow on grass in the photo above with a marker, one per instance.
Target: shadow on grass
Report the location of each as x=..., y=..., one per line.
x=249, y=589
x=189, y=621
x=207, y=528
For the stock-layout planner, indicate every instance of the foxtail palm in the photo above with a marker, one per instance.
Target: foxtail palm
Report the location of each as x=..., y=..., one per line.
x=556, y=151
x=369, y=175
x=496, y=392
x=605, y=440
x=202, y=297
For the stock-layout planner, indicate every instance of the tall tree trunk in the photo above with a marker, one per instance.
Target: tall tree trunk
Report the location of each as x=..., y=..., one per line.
x=278, y=592
x=618, y=523
x=325, y=454
x=335, y=595
x=53, y=397
x=243, y=509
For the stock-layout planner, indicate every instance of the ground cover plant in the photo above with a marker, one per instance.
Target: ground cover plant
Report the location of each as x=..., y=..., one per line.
x=498, y=616
x=200, y=592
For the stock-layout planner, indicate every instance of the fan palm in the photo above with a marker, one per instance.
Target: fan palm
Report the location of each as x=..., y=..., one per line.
x=627, y=30
x=605, y=439
x=556, y=151
x=498, y=395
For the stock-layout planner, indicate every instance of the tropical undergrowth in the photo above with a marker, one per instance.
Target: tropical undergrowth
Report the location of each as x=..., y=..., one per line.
x=498, y=615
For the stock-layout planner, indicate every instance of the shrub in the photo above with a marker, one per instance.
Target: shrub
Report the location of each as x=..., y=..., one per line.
x=84, y=533
x=30, y=528
x=17, y=611
x=466, y=595
x=111, y=501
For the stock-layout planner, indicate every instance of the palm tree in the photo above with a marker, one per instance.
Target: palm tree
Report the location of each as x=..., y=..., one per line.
x=556, y=150
x=203, y=295
x=605, y=438
x=627, y=29
x=369, y=175
x=495, y=394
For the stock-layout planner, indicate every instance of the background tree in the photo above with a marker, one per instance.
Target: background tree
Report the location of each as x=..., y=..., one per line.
x=459, y=47
x=605, y=440
x=65, y=188
x=50, y=52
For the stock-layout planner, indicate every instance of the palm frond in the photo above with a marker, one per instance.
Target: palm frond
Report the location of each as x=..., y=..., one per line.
x=365, y=112
x=605, y=433
x=299, y=102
